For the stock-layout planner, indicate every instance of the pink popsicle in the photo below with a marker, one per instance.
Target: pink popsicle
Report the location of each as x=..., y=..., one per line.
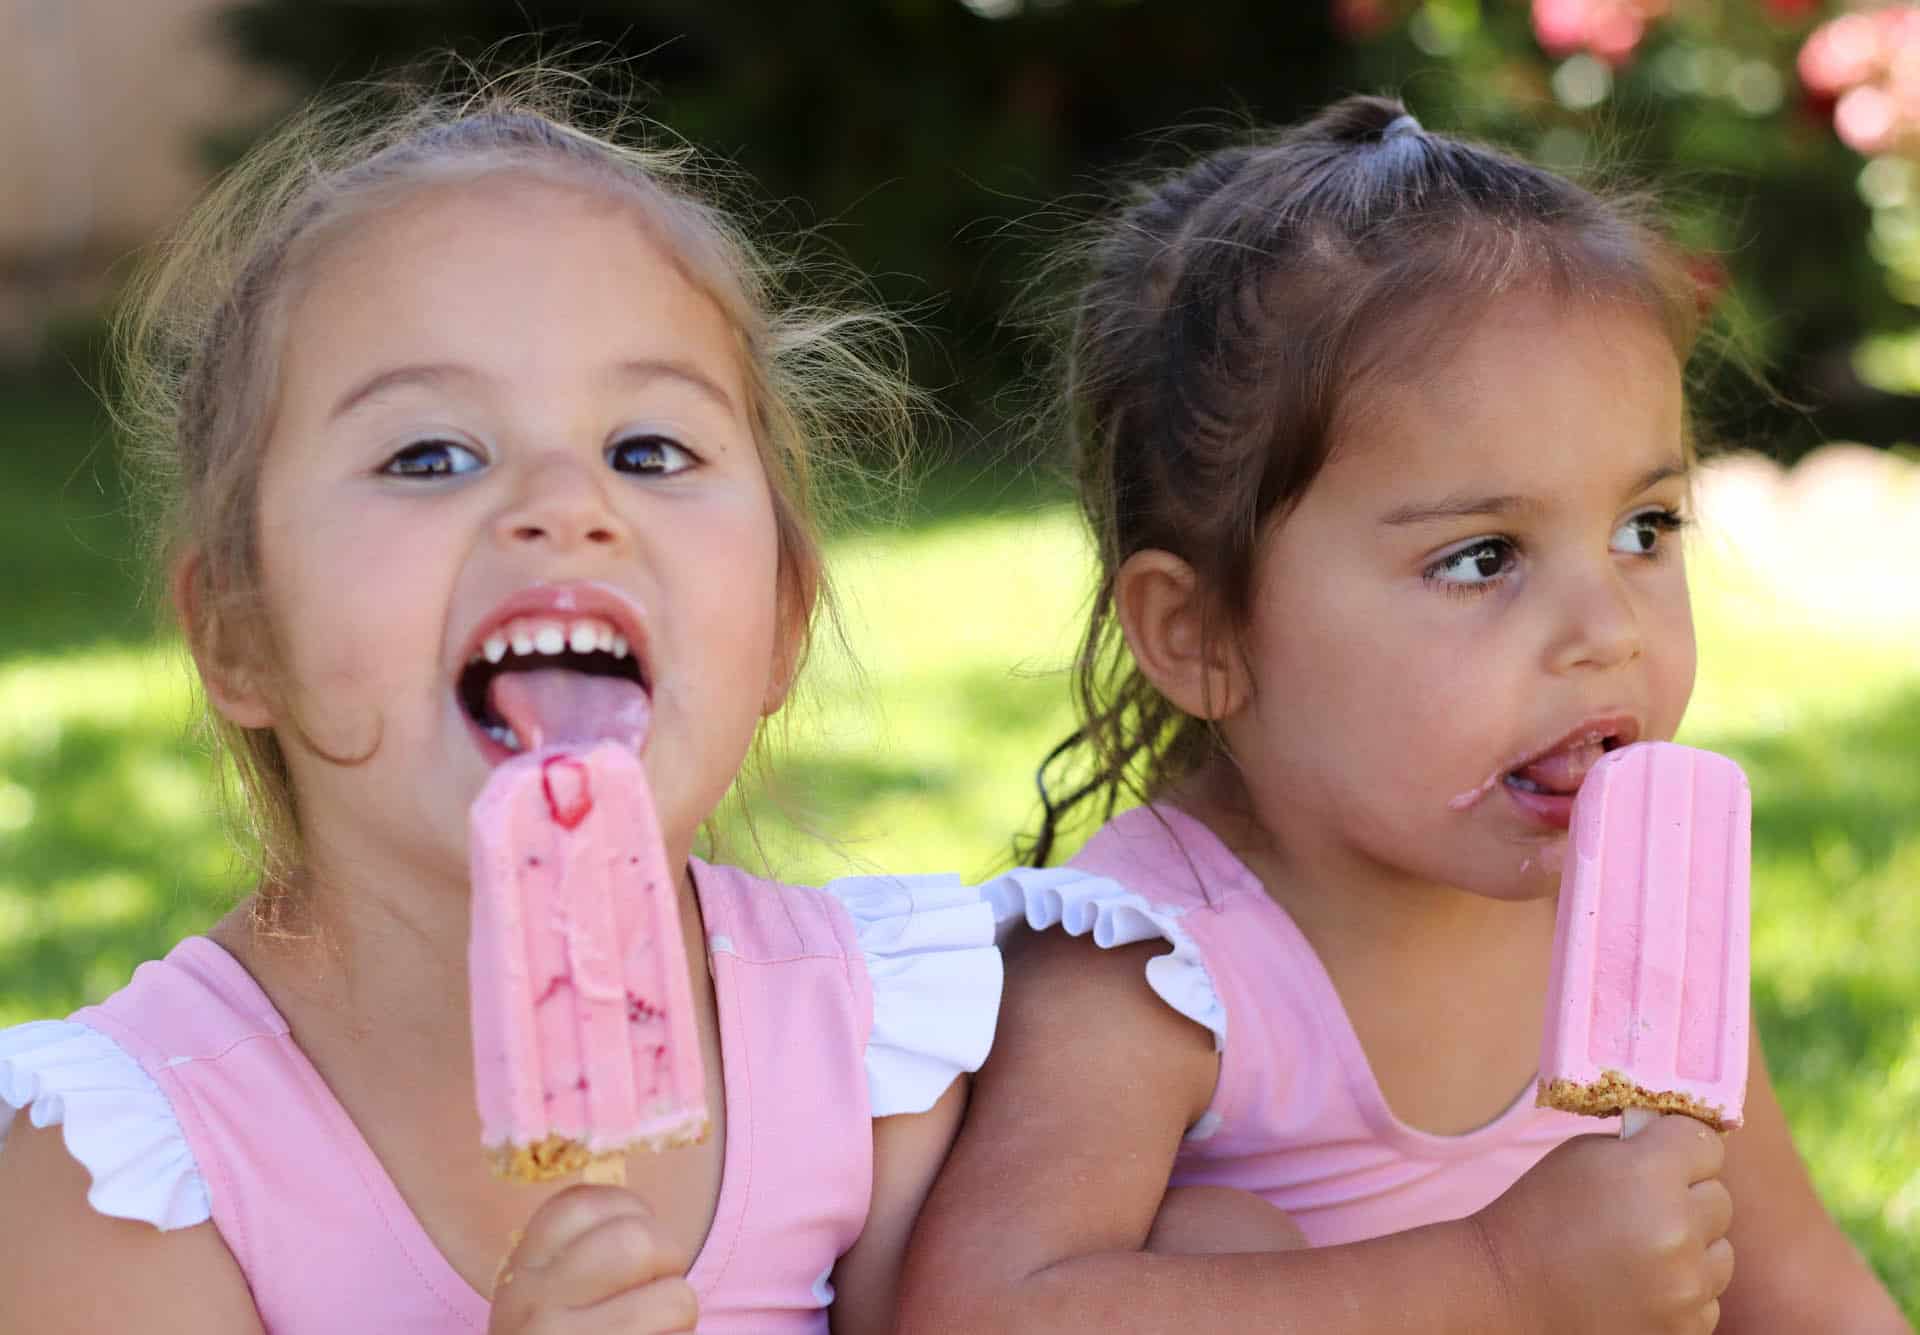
x=584, y=1039
x=1648, y=1003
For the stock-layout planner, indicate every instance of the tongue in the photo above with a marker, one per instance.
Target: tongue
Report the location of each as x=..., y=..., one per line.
x=1561, y=771
x=559, y=707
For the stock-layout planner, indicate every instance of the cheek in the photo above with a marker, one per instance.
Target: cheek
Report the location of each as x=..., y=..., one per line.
x=343, y=592
x=1677, y=662
x=1331, y=686
x=735, y=588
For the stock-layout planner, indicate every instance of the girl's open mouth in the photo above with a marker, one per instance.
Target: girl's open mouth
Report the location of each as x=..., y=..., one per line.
x=1543, y=783
x=557, y=665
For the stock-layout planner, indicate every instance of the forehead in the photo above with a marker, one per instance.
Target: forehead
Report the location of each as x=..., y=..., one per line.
x=1538, y=392
x=513, y=273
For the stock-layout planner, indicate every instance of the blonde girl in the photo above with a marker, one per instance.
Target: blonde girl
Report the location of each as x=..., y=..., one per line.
x=418, y=377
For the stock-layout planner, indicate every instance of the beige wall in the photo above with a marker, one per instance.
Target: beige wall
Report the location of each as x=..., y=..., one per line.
x=102, y=105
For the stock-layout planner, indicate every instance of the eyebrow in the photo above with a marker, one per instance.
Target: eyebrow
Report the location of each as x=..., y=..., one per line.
x=429, y=375
x=1469, y=505
x=661, y=368
x=435, y=374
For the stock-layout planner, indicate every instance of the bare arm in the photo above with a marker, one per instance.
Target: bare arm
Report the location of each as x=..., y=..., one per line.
x=1797, y=1270
x=68, y=1270
x=1206, y=1221
x=907, y=1152
x=1038, y=1219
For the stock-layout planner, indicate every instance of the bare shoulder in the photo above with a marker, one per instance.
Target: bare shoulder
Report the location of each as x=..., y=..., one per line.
x=67, y=1269
x=1794, y=1269
x=1069, y=999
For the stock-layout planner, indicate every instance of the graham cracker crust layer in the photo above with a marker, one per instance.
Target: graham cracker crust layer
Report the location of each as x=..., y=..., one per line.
x=1613, y=1093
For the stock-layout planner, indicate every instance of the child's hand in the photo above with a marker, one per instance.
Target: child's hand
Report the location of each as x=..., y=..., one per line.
x=1619, y=1235
x=592, y=1261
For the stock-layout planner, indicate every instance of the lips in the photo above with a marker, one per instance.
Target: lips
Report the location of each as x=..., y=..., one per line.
x=1543, y=785
x=556, y=663
x=1542, y=782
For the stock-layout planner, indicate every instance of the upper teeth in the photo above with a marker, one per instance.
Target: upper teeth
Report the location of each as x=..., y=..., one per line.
x=539, y=635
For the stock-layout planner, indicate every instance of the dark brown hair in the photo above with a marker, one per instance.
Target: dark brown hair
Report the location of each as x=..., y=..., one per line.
x=1223, y=327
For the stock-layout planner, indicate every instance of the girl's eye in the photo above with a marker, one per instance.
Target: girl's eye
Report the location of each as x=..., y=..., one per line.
x=1641, y=534
x=431, y=458
x=1477, y=564
x=649, y=456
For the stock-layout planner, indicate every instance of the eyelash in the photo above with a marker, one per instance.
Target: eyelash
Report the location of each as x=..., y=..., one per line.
x=1662, y=520
x=405, y=462
x=398, y=464
x=659, y=444
x=1666, y=522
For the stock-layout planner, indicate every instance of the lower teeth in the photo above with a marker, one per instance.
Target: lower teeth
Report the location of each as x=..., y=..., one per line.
x=504, y=735
x=1524, y=785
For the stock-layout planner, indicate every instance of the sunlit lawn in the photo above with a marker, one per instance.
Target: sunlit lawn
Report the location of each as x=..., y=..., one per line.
x=962, y=621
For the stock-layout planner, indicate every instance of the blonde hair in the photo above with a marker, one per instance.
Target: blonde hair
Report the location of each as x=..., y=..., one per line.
x=198, y=343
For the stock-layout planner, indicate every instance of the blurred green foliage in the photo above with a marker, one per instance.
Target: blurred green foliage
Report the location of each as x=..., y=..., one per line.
x=1801, y=241
x=943, y=146
x=907, y=132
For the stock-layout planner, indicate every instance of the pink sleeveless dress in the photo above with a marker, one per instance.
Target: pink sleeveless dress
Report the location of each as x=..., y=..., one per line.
x=187, y=1099
x=1296, y=1116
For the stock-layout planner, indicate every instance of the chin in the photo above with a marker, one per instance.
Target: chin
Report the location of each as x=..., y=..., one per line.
x=1533, y=873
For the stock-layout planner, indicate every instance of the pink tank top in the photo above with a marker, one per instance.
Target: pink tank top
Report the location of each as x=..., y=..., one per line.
x=327, y=1244
x=1296, y=1116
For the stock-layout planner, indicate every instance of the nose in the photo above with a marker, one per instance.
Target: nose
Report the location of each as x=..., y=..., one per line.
x=1599, y=625
x=561, y=502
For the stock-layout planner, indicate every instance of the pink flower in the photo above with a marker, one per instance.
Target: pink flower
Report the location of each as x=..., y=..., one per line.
x=1842, y=53
x=1561, y=25
x=1870, y=63
x=1609, y=29
x=1867, y=120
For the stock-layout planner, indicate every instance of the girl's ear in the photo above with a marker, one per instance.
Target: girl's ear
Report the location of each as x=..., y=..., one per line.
x=230, y=679
x=798, y=591
x=1163, y=613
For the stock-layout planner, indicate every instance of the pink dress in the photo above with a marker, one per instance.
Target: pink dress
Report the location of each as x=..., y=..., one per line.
x=1296, y=1116
x=187, y=1099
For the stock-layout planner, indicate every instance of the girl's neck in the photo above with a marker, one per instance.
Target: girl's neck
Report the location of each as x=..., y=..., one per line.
x=341, y=956
x=1418, y=968
x=344, y=944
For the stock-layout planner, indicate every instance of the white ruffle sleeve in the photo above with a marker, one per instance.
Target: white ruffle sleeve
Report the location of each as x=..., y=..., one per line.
x=113, y=1117
x=1113, y=916
x=935, y=969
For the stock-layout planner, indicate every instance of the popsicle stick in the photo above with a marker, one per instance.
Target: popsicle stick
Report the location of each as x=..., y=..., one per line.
x=609, y=1171
x=1635, y=1120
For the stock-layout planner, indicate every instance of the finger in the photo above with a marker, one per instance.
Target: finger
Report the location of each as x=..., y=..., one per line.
x=1719, y=1266
x=620, y=1253
x=578, y=1210
x=1710, y=1317
x=661, y=1308
x=1711, y=1206
x=1693, y=1145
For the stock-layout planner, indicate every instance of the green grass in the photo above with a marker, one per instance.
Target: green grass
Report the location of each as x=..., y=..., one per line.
x=110, y=845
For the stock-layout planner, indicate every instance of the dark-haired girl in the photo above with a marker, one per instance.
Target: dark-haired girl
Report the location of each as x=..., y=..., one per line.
x=1382, y=439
